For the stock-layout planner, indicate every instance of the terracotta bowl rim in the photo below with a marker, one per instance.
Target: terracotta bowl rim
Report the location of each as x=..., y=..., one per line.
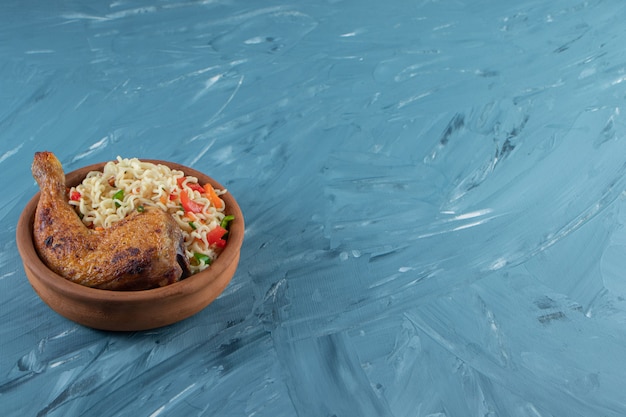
x=76, y=291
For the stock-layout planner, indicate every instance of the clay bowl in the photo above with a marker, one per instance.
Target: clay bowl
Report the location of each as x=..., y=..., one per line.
x=130, y=310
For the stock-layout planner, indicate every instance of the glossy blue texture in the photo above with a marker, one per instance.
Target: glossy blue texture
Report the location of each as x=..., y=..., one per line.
x=433, y=192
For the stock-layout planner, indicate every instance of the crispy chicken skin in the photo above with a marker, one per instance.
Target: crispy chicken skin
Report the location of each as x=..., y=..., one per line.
x=143, y=251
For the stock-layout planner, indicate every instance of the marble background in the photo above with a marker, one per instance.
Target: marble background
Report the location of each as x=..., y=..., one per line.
x=433, y=192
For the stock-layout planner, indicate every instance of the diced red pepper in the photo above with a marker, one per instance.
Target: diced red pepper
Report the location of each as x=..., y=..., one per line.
x=193, y=185
x=196, y=187
x=189, y=204
x=214, y=237
x=74, y=195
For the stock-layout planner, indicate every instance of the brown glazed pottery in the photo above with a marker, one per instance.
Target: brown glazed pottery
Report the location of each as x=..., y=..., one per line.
x=130, y=310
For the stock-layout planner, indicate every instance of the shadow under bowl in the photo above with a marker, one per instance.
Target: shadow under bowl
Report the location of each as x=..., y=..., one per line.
x=130, y=310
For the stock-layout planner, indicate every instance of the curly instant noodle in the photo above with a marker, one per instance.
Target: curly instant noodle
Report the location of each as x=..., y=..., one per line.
x=128, y=185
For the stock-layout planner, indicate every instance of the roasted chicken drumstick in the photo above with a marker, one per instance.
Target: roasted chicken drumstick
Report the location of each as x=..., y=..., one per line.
x=142, y=251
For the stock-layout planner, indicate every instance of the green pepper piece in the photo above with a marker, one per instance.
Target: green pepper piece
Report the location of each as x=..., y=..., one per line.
x=192, y=225
x=118, y=196
x=226, y=221
x=201, y=257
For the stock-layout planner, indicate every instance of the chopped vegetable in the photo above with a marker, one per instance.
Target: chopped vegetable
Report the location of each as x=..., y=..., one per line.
x=215, y=237
x=193, y=185
x=189, y=204
x=215, y=200
x=226, y=221
x=74, y=196
x=141, y=209
x=201, y=257
x=192, y=225
x=118, y=196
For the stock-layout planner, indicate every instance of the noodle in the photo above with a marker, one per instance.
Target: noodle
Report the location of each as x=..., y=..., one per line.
x=128, y=185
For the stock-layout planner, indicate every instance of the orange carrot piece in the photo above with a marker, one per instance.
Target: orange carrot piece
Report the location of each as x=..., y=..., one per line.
x=215, y=200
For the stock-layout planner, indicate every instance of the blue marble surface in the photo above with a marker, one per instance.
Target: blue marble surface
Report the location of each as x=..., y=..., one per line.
x=433, y=191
